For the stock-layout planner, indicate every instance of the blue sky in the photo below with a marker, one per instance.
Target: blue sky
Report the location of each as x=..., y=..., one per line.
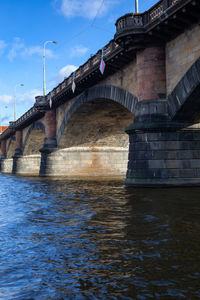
x=81, y=28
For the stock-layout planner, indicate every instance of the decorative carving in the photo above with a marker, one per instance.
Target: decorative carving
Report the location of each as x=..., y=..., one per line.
x=156, y=12
x=41, y=104
x=131, y=20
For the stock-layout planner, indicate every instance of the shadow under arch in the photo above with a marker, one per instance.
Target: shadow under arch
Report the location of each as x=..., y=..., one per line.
x=36, y=125
x=183, y=102
x=105, y=92
x=10, y=150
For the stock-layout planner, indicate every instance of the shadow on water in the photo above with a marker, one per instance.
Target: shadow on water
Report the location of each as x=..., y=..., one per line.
x=68, y=239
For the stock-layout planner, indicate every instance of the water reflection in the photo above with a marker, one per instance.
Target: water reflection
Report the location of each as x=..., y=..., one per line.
x=97, y=240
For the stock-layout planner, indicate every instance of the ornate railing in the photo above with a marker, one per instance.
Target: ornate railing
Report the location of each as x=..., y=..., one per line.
x=92, y=63
x=25, y=116
x=14, y=124
x=138, y=20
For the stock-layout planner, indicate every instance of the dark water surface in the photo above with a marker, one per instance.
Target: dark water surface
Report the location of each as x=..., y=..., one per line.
x=94, y=240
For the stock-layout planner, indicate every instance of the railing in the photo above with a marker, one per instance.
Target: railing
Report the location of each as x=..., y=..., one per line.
x=138, y=20
x=83, y=70
x=24, y=117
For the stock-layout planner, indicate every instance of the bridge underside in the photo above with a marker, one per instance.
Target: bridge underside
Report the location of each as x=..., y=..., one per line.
x=94, y=142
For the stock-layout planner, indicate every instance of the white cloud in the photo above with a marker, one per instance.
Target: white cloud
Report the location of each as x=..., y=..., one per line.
x=5, y=119
x=3, y=45
x=65, y=72
x=86, y=8
x=20, y=49
x=5, y=99
x=79, y=51
x=17, y=46
x=29, y=96
x=36, y=50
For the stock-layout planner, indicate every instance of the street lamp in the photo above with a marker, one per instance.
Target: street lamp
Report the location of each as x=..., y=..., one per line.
x=136, y=6
x=20, y=84
x=44, y=84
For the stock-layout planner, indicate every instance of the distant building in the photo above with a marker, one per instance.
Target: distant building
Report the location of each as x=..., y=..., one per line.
x=3, y=128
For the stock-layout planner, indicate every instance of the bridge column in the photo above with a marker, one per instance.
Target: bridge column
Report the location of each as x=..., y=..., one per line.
x=3, y=153
x=3, y=149
x=18, y=151
x=151, y=75
x=50, y=141
x=18, y=145
x=162, y=152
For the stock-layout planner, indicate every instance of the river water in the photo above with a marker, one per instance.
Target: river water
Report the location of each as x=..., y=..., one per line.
x=62, y=239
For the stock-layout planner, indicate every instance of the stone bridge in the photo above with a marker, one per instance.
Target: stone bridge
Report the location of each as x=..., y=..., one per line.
x=141, y=118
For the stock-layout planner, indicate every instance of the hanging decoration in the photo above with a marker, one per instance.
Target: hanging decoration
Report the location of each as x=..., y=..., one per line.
x=50, y=100
x=102, y=63
x=73, y=82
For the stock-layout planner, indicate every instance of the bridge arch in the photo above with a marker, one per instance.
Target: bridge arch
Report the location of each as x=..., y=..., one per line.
x=10, y=151
x=92, y=139
x=183, y=102
x=106, y=92
x=34, y=138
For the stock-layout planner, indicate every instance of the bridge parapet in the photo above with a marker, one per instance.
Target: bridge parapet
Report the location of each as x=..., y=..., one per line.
x=31, y=115
x=159, y=24
x=88, y=74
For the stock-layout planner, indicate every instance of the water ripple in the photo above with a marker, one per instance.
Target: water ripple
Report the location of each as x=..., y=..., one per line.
x=97, y=240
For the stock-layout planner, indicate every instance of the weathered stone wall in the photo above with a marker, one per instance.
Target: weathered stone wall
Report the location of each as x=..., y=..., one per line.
x=28, y=165
x=94, y=141
x=97, y=123
x=6, y=166
x=24, y=165
x=164, y=158
x=61, y=111
x=34, y=143
x=181, y=53
x=151, y=74
x=26, y=129
x=125, y=78
x=87, y=161
x=10, y=148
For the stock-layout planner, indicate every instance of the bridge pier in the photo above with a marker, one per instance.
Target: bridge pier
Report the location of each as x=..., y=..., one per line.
x=162, y=152
x=3, y=149
x=18, y=151
x=151, y=74
x=3, y=153
x=18, y=144
x=50, y=141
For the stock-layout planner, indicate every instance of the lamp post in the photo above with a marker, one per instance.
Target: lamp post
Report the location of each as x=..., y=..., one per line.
x=136, y=6
x=44, y=84
x=20, y=84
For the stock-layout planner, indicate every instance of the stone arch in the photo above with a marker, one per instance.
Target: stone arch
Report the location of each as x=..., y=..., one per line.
x=183, y=102
x=39, y=126
x=106, y=92
x=10, y=150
